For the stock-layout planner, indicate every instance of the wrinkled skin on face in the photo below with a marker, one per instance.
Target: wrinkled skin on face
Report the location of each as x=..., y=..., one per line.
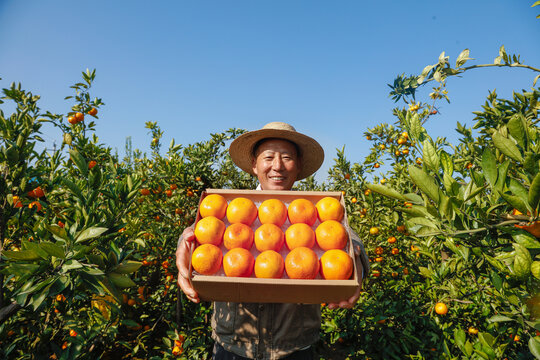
x=276, y=164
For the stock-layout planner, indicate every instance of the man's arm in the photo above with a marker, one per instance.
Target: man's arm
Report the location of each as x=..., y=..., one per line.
x=182, y=263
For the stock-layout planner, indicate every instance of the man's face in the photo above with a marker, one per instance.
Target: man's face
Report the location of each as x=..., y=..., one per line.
x=276, y=164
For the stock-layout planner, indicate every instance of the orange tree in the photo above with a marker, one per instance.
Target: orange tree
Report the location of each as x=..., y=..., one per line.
x=453, y=239
x=64, y=262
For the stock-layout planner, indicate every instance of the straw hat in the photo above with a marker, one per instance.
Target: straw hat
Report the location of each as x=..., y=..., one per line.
x=311, y=152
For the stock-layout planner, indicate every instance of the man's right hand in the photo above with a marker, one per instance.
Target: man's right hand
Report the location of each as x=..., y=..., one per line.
x=182, y=263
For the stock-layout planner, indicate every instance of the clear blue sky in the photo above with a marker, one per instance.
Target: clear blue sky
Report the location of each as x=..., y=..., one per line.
x=198, y=67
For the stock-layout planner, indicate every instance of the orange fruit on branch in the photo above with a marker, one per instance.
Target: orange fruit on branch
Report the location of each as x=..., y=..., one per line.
x=441, y=308
x=207, y=259
x=273, y=211
x=302, y=263
x=91, y=164
x=331, y=234
x=92, y=111
x=238, y=262
x=79, y=116
x=241, y=210
x=269, y=265
x=329, y=208
x=302, y=211
x=210, y=230
x=269, y=237
x=336, y=264
x=298, y=235
x=238, y=235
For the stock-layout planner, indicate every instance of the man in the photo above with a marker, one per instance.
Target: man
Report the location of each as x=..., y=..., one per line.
x=278, y=156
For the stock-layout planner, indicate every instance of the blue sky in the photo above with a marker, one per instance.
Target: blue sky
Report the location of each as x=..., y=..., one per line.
x=200, y=67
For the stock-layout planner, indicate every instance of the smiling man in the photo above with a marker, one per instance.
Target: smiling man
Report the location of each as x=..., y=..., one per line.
x=278, y=156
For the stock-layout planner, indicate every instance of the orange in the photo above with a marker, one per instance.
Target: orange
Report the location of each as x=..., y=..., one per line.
x=336, y=264
x=298, y=235
x=17, y=202
x=302, y=263
x=210, y=230
x=329, y=208
x=269, y=265
x=441, y=308
x=206, y=259
x=37, y=204
x=91, y=164
x=213, y=205
x=79, y=116
x=269, y=237
x=238, y=262
x=532, y=228
x=72, y=120
x=238, y=236
x=273, y=211
x=302, y=211
x=92, y=111
x=392, y=239
x=374, y=230
x=331, y=234
x=145, y=192
x=241, y=210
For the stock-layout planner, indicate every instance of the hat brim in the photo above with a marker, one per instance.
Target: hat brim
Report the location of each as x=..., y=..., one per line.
x=311, y=152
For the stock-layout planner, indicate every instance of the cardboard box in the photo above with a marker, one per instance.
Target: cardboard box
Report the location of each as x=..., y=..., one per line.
x=236, y=289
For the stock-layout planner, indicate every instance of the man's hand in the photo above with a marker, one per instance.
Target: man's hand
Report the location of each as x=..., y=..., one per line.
x=182, y=263
x=349, y=304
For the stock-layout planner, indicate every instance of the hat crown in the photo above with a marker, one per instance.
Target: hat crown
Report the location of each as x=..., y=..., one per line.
x=278, y=125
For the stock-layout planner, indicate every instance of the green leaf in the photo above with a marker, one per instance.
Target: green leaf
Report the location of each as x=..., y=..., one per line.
x=53, y=249
x=58, y=232
x=534, y=192
x=506, y=146
x=486, y=339
x=128, y=267
x=526, y=239
x=73, y=187
x=71, y=265
x=534, y=345
x=425, y=272
x=495, y=263
x=519, y=190
x=489, y=166
x=79, y=160
x=24, y=255
x=431, y=159
x=386, y=191
x=462, y=58
x=121, y=281
x=535, y=269
x=459, y=337
x=21, y=269
x=515, y=202
x=522, y=261
x=447, y=163
x=90, y=233
x=516, y=128
x=422, y=221
x=500, y=318
x=424, y=182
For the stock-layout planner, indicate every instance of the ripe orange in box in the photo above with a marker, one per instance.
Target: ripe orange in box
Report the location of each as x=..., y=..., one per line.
x=238, y=236
x=329, y=208
x=336, y=264
x=302, y=211
x=269, y=265
x=238, y=262
x=269, y=237
x=210, y=230
x=298, y=235
x=331, y=234
x=273, y=211
x=213, y=205
x=241, y=210
x=302, y=263
x=206, y=259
